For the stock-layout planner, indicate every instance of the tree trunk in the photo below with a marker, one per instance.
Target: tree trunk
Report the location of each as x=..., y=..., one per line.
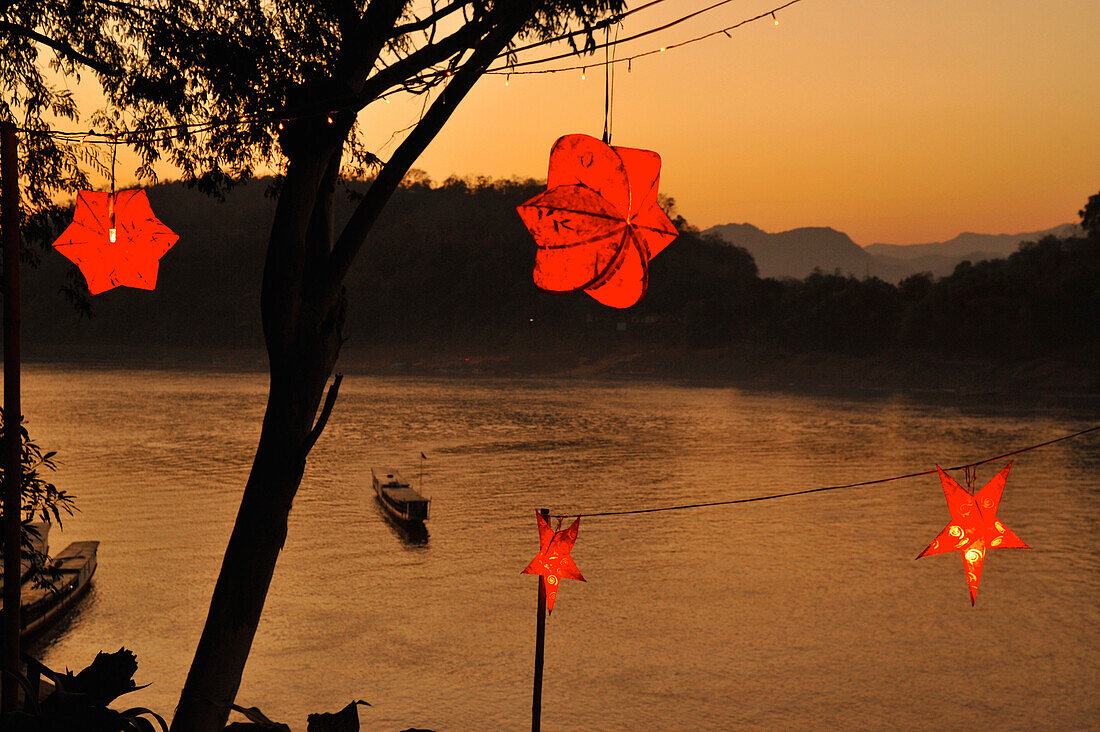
x=302, y=303
x=303, y=339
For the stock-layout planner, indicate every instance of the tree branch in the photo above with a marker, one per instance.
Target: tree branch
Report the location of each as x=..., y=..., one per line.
x=429, y=21
x=389, y=178
x=322, y=420
x=377, y=15
x=62, y=48
x=418, y=61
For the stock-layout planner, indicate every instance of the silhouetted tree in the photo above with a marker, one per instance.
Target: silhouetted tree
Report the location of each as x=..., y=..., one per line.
x=318, y=63
x=1090, y=216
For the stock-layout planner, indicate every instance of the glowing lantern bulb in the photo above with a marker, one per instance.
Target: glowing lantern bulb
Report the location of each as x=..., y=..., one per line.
x=775, y=19
x=112, y=234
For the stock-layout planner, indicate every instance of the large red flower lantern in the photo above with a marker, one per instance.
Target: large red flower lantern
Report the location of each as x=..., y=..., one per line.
x=115, y=239
x=553, y=561
x=598, y=224
x=974, y=527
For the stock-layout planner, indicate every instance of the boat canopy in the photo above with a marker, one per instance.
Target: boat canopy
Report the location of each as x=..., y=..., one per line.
x=388, y=477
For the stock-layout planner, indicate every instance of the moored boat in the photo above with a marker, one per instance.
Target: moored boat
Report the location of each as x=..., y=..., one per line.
x=67, y=579
x=71, y=572
x=399, y=499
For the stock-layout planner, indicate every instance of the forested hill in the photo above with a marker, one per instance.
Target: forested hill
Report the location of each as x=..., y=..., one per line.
x=454, y=261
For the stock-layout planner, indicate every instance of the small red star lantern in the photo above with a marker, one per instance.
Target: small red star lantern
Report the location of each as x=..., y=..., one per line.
x=116, y=240
x=598, y=224
x=974, y=527
x=553, y=561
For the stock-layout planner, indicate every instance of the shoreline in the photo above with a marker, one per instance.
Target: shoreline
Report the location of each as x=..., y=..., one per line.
x=756, y=368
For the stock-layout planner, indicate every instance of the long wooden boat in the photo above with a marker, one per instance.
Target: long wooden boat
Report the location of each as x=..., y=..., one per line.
x=71, y=573
x=399, y=499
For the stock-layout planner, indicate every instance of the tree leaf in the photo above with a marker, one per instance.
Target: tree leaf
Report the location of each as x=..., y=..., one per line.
x=345, y=720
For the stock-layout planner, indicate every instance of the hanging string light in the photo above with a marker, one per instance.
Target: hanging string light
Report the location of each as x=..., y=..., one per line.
x=511, y=66
x=281, y=115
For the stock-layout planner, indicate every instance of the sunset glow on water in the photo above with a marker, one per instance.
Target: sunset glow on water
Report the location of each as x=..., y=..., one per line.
x=801, y=613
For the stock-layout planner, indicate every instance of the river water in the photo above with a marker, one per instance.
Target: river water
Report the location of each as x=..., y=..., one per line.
x=798, y=613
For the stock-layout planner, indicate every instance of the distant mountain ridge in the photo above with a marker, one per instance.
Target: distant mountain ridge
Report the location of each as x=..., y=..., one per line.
x=968, y=242
x=798, y=252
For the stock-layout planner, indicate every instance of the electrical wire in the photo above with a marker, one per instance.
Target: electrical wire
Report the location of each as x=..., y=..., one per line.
x=284, y=115
x=510, y=68
x=878, y=481
x=613, y=20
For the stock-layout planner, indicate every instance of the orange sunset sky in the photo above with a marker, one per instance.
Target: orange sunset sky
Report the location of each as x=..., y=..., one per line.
x=894, y=121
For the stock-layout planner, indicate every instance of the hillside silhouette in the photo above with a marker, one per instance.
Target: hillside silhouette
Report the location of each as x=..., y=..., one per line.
x=453, y=262
x=798, y=252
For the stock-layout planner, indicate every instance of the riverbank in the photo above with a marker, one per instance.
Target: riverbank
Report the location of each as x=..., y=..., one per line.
x=741, y=366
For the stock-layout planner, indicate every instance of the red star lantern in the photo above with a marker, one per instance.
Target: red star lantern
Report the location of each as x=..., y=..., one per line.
x=598, y=224
x=116, y=240
x=974, y=527
x=553, y=561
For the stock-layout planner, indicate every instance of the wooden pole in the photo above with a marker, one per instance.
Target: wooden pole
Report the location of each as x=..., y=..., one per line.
x=13, y=445
x=540, y=641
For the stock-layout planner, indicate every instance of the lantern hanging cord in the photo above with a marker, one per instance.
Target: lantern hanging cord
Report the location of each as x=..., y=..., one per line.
x=822, y=489
x=114, y=157
x=608, y=85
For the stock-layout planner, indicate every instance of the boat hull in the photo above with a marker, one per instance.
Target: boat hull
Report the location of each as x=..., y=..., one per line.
x=42, y=607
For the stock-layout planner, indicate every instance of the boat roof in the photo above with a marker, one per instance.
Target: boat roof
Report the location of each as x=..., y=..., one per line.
x=388, y=476
x=405, y=494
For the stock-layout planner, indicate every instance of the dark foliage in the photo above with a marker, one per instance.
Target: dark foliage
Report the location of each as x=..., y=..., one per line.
x=41, y=501
x=1090, y=216
x=454, y=261
x=79, y=701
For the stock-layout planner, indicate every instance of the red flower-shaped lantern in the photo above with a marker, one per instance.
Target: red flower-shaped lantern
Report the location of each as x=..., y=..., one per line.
x=598, y=224
x=115, y=239
x=974, y=527
x=553, y=561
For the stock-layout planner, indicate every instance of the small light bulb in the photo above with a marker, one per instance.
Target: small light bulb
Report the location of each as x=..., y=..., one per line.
x=112, y=234
x=507, y=80
x=663, y=49
x=584, y=74
x=775, y=19
x=281, y=126
x=329, y=118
